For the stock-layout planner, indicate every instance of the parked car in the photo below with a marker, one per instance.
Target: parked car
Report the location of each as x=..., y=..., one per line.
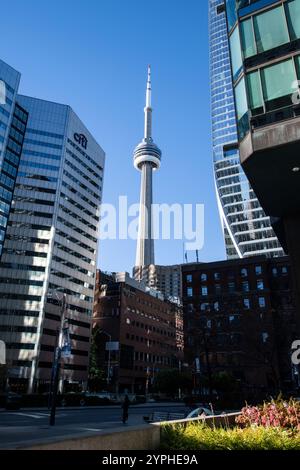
x=201, y=411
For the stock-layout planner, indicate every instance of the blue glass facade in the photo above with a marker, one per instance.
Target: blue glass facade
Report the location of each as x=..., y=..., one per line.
x=247, y=229
x=13, y=121
x=50, y=247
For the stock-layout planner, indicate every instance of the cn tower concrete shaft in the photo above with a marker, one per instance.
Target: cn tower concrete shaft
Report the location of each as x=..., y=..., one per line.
x=146, y=158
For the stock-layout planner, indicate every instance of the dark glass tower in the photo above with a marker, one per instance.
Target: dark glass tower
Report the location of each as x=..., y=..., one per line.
x=247, y=229
x=264, y=37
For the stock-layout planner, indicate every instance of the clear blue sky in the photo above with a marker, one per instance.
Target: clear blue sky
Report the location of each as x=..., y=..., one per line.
x=93, y=55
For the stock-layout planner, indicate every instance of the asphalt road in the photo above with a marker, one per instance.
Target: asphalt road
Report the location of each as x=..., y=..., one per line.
x=22, y=426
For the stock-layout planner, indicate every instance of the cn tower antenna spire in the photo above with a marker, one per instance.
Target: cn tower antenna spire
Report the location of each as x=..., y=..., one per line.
x=146, y=159
x=148, y=109
x=148, y=92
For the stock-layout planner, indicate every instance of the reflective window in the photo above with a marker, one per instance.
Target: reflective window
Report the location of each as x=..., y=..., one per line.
x=262, y=302
x=190, y=292
x=231, y=13
x=248, y=39
x=260, y=285
x=293, y=18
x=204, y=290
x=236, y=53
x=242, y=108
x=270, y=29
x=255, y=93
x=258, y=270
x=279, y=82
x=297, y=61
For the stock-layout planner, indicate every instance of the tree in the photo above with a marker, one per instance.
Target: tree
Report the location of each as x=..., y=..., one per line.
x=224, y=382
x=97, y=379
x=169, y=381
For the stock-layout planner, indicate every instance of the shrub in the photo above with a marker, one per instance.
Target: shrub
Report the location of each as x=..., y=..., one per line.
x=279, y=413
x=201, y=437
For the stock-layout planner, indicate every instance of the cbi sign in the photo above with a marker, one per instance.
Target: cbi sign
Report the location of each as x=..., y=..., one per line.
x=81, y=140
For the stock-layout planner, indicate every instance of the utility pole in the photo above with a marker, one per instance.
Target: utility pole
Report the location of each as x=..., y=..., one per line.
x=56, y=363
x=179, y=389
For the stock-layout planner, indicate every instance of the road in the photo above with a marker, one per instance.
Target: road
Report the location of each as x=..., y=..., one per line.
x=20, y=427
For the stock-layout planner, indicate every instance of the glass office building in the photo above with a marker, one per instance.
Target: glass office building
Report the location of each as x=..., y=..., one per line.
x=264, y=38
x=50, y=249
x=13, y=121
x=247, y=229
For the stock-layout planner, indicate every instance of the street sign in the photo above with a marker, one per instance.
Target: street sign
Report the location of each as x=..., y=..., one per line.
x=112, y=346
x=197, y=364
x=66, y=342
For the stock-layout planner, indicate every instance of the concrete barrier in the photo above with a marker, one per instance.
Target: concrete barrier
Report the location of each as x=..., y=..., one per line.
x=143, y=437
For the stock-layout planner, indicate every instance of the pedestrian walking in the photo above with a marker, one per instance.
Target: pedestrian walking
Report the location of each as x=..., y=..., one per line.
x=125, y=407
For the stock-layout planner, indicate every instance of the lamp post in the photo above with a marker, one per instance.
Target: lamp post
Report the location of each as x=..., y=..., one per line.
x=56, y=362
x=108, y=363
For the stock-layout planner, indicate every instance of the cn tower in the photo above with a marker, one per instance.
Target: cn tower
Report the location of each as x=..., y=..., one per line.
x=146, y=159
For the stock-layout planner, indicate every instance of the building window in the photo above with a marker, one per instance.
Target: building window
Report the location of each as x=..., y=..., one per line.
x=255, y=95
x=189, y=278
x=248, y=39
x=260, y=284
x=274, y=272
x=284, y=271
x=293, y=15
x=270, y=29
x=247, y=304
x=245, y=286
x=242, y=108
x=217, y=276
x=204, y=307
x=244, y=272
x=216, y=306
x=204, y=290
x=265, y=337
x=231, y=287
x=203, y=277
x=279, y=82
x=231, y=13
x=218, y=288
x=236, y=53
x=127, y=320
x=258, y=270
x=262, y=302
x=190, y=292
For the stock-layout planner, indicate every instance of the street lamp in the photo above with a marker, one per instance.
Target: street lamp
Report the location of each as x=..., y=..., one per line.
x=108, y=363
x=56, y=359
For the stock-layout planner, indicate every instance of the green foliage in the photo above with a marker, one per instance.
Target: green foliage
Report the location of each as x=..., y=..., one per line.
x=96, y=372
x=224, y=382
x=170, y=380
x=201, y=437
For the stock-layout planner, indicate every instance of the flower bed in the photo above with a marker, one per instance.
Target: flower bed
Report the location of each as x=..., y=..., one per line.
x=201, y=437
x=271, y=426
x=279, y=413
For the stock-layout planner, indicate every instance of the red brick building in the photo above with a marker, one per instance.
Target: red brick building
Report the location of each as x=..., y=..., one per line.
x=146, y=330
x=239, y=317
